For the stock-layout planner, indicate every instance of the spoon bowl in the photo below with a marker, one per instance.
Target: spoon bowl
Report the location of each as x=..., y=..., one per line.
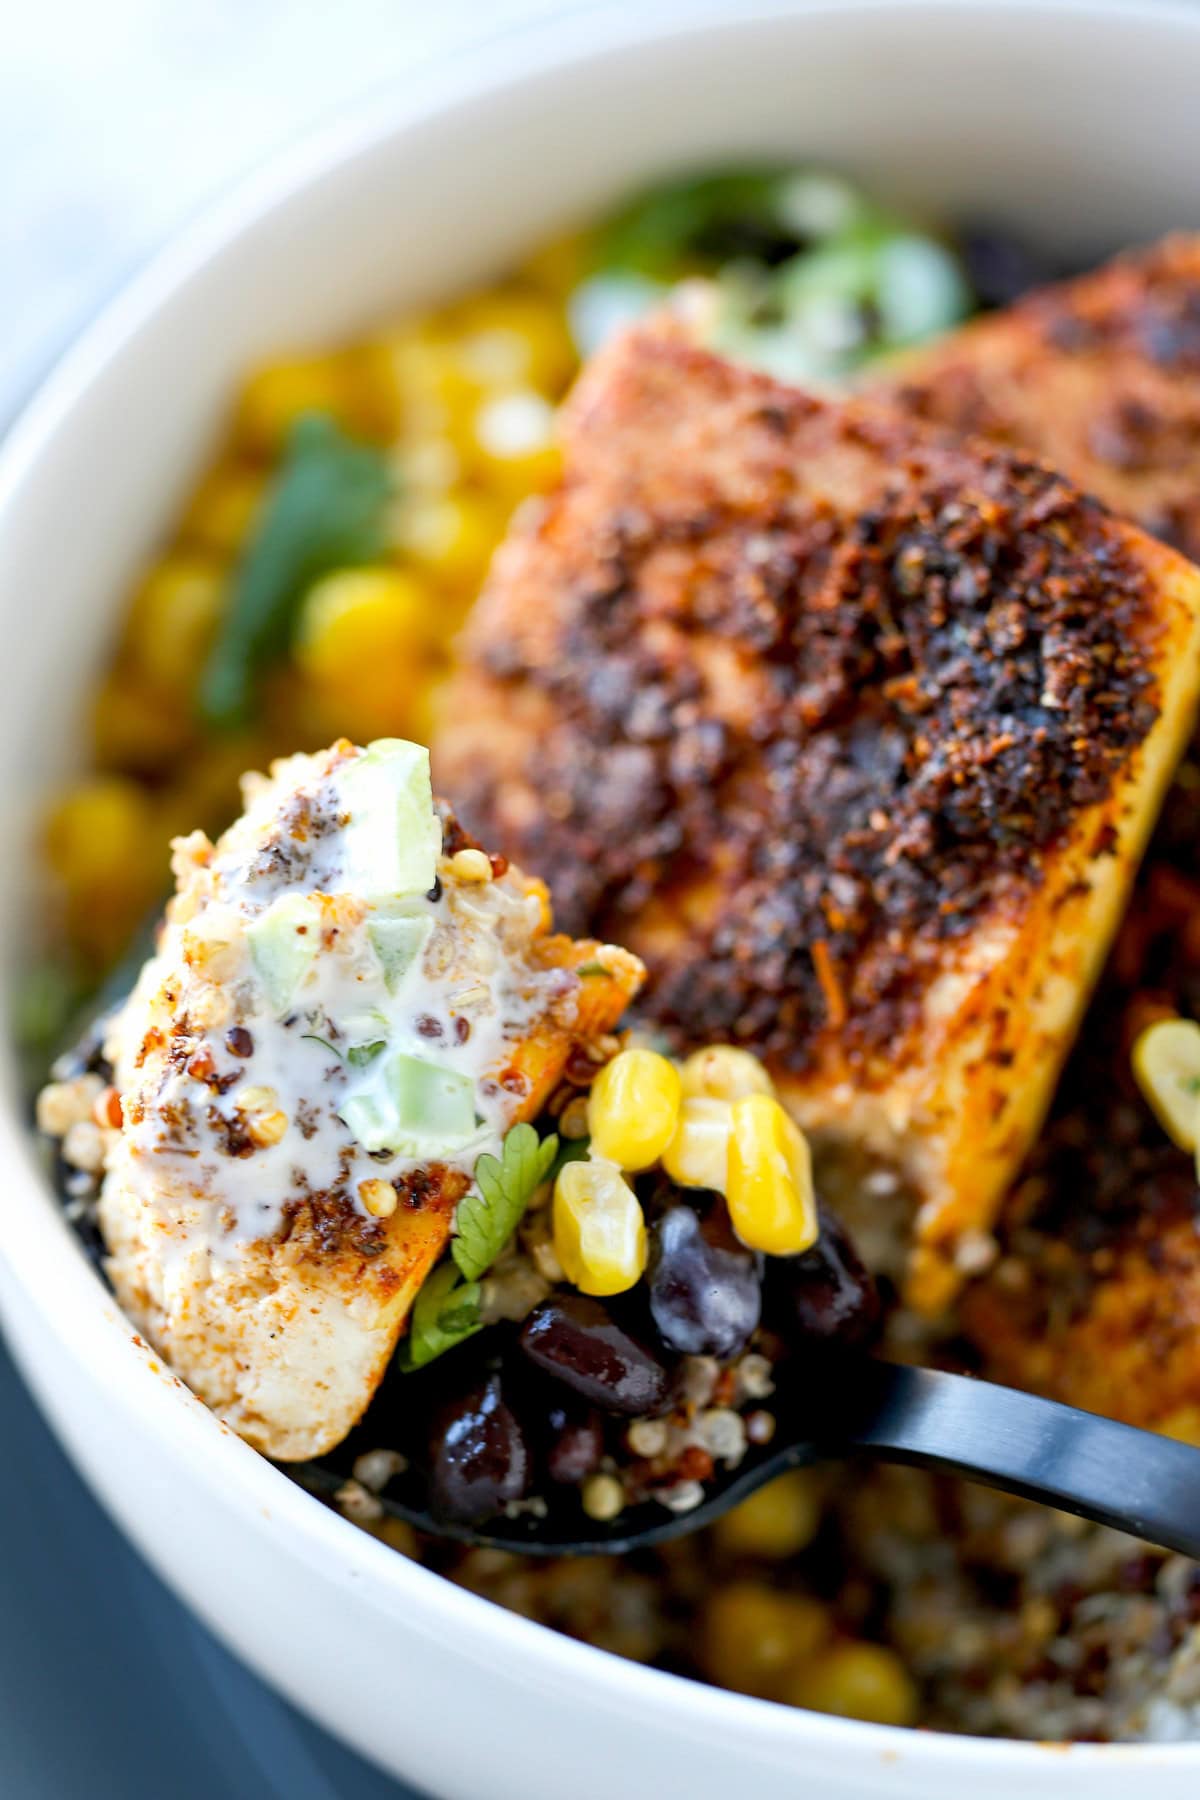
x=845, y=1403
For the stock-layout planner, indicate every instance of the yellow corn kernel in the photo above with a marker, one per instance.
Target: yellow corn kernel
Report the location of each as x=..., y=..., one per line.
x=513, y=444
x=513, y=337
x=94, y=828
x=599, y=1231
x=855, y=1681
x=224, y=509
x=778, y=1520
x=770, y=1186
x=719, y=1072
x=1182, y=1423
x=137, y=730
x=434, y=394
x=279, y=393
x=698, y=1154
x=362, y=641
x=172, y=621
x=634, y=1108
x=752, y=1637
x=452, y=536
x=1166, y=1062
x=101, y=844
x=560, y=265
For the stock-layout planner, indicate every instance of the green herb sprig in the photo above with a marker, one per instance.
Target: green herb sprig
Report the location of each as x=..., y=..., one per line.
x=326, y=510
x=485, y=1220
x=446, y=1312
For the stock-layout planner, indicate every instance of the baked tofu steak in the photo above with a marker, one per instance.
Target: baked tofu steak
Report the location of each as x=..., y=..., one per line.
x=1095, y=1295
x=854, y=734
x=1100, y=376
x=349, y=1003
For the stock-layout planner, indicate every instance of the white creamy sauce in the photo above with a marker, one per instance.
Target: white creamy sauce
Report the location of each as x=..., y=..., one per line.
x=255, y=1114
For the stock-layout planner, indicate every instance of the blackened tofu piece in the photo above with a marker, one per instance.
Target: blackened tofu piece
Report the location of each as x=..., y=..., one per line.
x=1094, y=1296
x=1100, y=376
x=853, y=733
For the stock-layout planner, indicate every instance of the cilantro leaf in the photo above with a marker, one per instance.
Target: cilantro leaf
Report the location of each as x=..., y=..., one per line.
x=445, y=1313
x=359, y=1055
x=326, y=510
x=485, y=1220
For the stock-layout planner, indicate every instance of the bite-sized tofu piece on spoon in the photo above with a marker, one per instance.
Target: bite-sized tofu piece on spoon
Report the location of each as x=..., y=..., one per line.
x=349, y=1003
x=854, y=734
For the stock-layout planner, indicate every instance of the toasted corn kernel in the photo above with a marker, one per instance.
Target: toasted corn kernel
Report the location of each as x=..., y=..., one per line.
x=471, y=865
x=634, y=1108
x=752, y=1637
x=698, y=1154
x=265, y=1122
x=855, y=1681
x=720, y=1072
x=599, y=1231
x=379, y=1198
x=1166, y=1062
x=779, y=1520
x=770, y=1185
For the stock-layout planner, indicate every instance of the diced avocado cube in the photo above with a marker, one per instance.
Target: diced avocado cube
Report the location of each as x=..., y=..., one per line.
x=283, y=945
x=411, y=1107
x=371, y=1118
x=398, y=943
x=432, y=1102
x=394, y=837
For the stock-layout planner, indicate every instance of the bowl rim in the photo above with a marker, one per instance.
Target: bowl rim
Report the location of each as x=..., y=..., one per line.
x=78, y=1308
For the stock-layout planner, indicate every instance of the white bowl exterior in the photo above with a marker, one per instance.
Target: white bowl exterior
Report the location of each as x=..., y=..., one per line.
x=1078, y=124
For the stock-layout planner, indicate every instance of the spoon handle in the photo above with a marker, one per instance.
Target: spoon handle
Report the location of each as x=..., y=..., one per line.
x=1115, y=1474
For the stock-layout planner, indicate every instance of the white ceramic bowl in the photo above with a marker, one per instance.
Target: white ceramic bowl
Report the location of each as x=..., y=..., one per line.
x=1078, y=123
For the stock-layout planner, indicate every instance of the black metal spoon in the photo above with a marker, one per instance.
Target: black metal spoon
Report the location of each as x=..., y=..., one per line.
x=845, y=1403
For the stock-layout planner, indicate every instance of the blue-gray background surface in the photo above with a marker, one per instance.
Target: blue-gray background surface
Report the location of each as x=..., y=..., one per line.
x=118, y=118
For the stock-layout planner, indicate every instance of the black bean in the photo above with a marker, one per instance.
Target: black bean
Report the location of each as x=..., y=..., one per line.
x=577, y=1340
x=239, y=1042
x=705, y=1293
x=827, y=1294
x=576, y=1444
x=1000, y=267
x=479, y=1457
